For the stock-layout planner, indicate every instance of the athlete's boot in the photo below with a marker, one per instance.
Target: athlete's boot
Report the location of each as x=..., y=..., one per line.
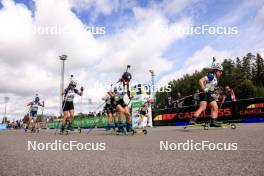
x=33, y=130
x=115, y=126
x=70, y=127
x=128, y=128
x=26, y=128
x=62, y=129
x=120, y=127
x=108, y=127
x=193, y=120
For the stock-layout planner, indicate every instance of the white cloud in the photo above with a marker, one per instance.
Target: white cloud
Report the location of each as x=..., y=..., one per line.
x=142, y=45
x=199, y=60
x=30, y=64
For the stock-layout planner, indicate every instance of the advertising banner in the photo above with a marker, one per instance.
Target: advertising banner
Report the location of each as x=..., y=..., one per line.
x=248, y=110
x=140, y=97
x=2, y=126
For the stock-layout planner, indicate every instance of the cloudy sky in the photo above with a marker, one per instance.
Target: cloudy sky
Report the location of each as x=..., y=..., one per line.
x=101, y=37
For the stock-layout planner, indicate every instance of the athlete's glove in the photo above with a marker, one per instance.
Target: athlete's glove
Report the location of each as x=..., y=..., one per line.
x=205, y=90
x=82, y=89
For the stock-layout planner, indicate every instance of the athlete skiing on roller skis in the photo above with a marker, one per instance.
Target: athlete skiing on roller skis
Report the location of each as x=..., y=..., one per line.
x=68, y=104
x=208, y=85
x=144, y=113
x=33, y=112
x=121, y=107
x=110, y=111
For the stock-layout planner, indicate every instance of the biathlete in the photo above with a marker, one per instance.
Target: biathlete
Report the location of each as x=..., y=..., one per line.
x=109, y=109
x=119, y=105
x=68, y=105
x=208, y=85
x=144, y=113
x=33, y=112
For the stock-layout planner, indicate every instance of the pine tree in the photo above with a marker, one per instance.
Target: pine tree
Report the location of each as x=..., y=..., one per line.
x=247, y=65
x=258, y=71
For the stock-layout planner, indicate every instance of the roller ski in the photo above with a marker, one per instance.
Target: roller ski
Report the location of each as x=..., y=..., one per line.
x=112, y=130
x=34, y=130
x=215, y=124
x=69, y=129
x=31, y=129
x=211, y=124
x=204, y=125
x=141, y=131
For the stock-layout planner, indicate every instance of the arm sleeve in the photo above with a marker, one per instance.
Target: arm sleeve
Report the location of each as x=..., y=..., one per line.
x=65, y=91
x=233, y=96
x=210, y=77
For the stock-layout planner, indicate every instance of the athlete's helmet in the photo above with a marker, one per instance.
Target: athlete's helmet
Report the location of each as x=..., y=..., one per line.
x=73, y=83
x=37, y=99
x=217, y=66
x=126, y=77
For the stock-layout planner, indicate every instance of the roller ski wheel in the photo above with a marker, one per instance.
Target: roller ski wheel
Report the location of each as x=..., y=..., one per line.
x=206, y=127
x=120, y=133
x=111, y=131
x=120, y=130
x=142, y=132
x=65, y=132
x=233, y=126
x=132, y=132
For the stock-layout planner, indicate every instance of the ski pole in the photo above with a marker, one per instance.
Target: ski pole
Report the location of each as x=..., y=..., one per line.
x=95, y=123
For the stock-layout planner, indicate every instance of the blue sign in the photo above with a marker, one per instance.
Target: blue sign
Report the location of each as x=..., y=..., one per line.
x=2, y=126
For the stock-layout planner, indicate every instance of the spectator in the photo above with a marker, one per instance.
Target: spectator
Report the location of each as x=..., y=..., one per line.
x=229, y=95
x=170, y=102
x=180, y=100
x=196, y=97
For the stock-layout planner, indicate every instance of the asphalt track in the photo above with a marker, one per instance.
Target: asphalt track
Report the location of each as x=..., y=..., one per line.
x=136, y=155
